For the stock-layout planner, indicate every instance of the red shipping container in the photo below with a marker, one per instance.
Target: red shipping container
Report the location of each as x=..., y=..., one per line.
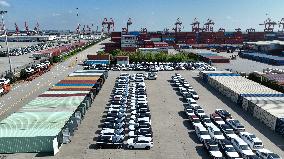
x=62, y=95
x=77, y=82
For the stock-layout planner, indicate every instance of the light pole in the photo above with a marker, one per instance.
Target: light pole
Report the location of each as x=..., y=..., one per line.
x=79, y=32
x=2, y=12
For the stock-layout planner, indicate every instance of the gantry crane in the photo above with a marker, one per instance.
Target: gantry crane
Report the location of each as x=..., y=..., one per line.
x=268, y=25
x=195, y=26
x=222, y=30
x=17, y=30
x=27, y=28
x=178, y=26
x=36, y=28
x=78, y=29
x=107, y=24
x=281, y=25
x=129, y=22
x=143, y=30
x=166, y=30
x=238, y=30
x=208, y=26
x=250, y=30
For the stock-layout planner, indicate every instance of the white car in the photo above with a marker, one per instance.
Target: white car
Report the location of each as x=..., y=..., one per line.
x=4, y=81
x=202, y=133
x=191, y=101
x=253, y=141
x=236, y=125
x=215, y=133
x=242, y=147
x=140, y=143
x=266, y=154
x=194, y=95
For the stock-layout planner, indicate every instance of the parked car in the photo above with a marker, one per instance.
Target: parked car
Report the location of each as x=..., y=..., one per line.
x=253, y=141
x=212, y=147
x=228, y=149
x=223, y=114
x=242, y=147
x=215, y=133
x=139, y=143
x=216, y=119
x=236, y=125
x=228, y=131
x=266, y=154
x=202, y=133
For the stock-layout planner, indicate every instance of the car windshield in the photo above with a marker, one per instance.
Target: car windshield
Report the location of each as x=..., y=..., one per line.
x=230, y=131
x=204, y=133
x=252, y=136
x=217, y=133
x=214, y=148
x=207, y=120
x=200, y=111
x=273, y=156
x=194, y=93
x=196, y=120
x=258, y=143
x=244, y=147
x=230, y=149
x=218, y=119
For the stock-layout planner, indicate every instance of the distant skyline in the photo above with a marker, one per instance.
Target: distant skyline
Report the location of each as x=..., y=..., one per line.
x=152, y=14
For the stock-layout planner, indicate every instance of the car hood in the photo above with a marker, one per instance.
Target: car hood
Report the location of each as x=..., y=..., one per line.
x=216, y=153
x=247, y=152
x=232, y=154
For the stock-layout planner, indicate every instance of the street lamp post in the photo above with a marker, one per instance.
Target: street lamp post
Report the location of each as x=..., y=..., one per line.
x=2, y=12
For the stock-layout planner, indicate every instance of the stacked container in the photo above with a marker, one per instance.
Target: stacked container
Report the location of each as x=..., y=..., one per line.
x=265, y=104
x=49, y=121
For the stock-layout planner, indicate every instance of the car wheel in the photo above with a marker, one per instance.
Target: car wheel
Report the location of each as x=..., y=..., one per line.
x=147, y=147
x=131, y=147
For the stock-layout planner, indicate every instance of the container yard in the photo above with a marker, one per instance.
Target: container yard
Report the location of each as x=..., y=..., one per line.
x=86, y=80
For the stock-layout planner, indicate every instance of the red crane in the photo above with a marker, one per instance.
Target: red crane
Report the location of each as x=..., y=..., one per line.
x=281, y=25
x=268, y=25
x=208, y=26
x=17, y=29
x=178, y=26
x=107, y=24
x=27, y=28
x=195, y=26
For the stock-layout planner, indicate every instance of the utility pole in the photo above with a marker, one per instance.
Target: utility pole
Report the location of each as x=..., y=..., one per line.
x=2, y=12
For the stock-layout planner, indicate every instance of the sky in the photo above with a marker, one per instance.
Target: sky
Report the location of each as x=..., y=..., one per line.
x=152, y=14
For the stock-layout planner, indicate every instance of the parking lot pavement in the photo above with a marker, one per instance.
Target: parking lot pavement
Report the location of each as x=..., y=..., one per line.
x=243, y=65
x=172, y=135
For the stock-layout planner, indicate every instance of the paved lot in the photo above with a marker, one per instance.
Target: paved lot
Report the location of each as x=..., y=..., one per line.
x=173, y=137
x=244, y=65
